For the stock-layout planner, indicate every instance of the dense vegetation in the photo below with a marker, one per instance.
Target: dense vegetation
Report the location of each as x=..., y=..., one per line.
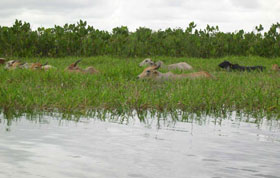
x=116, y=88
x=81, y=39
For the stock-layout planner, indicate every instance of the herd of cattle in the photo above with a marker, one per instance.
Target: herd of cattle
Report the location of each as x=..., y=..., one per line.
x=15, y=64
x=150, y=72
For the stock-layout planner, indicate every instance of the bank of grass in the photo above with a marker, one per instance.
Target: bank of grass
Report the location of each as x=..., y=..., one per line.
x=117, y=90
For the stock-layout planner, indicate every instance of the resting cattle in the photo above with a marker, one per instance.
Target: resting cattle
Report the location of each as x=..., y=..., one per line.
x=180, y=65
x=153, y=73
x=229, y=66
x=75, y=69
x=38, y=65
x=13, y=64
x=146, y=62
x=45, y=66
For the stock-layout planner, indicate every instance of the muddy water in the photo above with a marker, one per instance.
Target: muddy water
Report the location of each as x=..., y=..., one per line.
x=51, y=147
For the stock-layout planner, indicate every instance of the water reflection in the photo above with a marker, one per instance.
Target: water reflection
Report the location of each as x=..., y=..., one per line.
x=126, y=147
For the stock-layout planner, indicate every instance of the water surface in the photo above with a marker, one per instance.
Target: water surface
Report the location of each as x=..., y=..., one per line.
x=52, y=147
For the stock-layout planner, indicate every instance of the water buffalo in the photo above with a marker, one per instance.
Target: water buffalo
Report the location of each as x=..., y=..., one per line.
x=152, y=72
x=13, y=64
x=229, y=66
x=75, y=69
x=180, y=65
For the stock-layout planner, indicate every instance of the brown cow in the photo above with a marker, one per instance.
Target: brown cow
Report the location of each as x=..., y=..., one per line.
x=74, y=68
x=35, y=66
x=38, y=65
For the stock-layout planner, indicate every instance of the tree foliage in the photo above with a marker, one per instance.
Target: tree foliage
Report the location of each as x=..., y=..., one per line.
x=83, y=40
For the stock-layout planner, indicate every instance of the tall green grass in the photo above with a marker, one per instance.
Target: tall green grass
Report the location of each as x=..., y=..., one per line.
x=117, y=90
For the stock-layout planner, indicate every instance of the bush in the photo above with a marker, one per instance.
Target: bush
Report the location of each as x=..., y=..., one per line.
x=83, y=40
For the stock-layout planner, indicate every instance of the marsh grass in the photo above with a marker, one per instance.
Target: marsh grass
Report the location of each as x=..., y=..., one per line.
x=117, y=90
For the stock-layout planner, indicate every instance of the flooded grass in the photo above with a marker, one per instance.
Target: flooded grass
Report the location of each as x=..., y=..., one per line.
x=117, y=90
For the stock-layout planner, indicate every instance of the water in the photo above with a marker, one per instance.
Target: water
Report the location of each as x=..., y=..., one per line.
x=51, y=147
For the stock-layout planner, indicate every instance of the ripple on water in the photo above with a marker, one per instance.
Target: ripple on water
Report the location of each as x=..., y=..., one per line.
x=53, y=147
